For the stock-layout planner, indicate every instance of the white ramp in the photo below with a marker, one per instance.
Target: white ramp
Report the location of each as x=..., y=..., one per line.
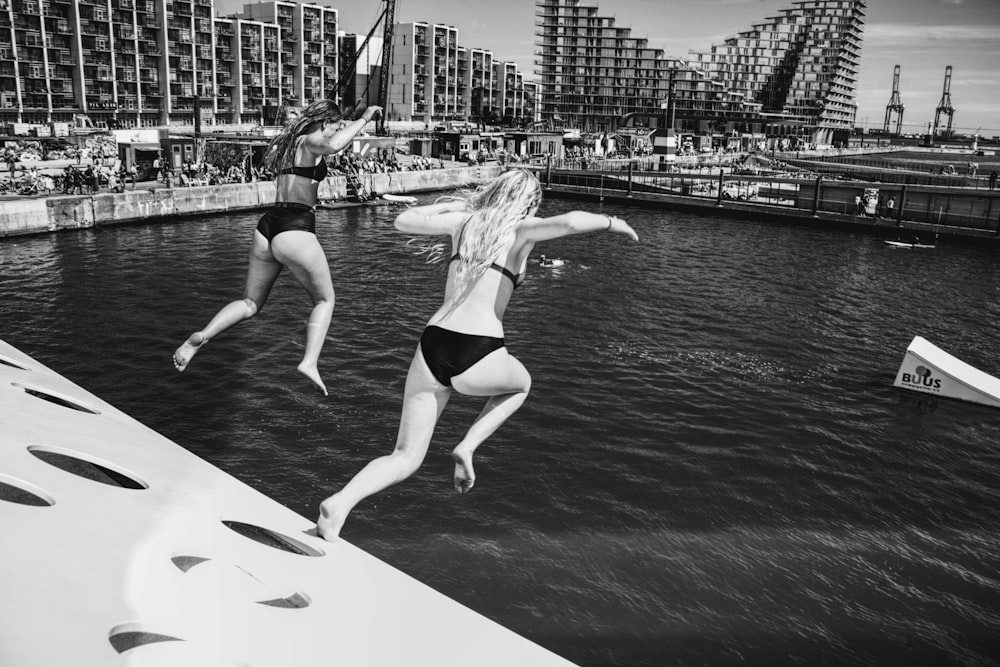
x=929, y=369
x=119, y=547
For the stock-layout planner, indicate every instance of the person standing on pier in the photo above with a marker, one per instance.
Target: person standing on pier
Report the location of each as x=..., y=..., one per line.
x=286, y=233
x=462, y=347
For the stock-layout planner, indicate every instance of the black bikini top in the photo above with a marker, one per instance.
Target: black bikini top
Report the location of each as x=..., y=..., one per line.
x=317, y=173
x=515, y=278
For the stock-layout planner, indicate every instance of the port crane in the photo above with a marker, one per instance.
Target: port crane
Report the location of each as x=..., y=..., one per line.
x=387, y=19
x=895, y=105
x=944, y=106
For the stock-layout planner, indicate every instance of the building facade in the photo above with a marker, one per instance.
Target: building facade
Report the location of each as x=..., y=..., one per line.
x=435, y=79
x=796, y=72
x=792, y=74
x=592, y=72
x=146, y=63
x=360, y=69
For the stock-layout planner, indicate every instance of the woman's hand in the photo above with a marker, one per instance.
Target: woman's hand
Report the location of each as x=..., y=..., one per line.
x=619, y=226
x=371, y=113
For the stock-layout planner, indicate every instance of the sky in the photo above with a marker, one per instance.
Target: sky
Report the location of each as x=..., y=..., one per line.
x=923, y=37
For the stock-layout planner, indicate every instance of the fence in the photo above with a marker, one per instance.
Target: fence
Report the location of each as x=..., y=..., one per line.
x=931, y=205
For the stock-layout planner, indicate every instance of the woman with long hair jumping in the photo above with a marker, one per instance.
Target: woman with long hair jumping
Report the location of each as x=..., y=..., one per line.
x=462, y=347
x=286, y=233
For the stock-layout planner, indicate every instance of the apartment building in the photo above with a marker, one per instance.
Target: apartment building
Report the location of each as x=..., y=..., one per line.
x=792, y=74
x=144, y=63
x=360, y=69
x=593, y=72
x=797, y=71
x=477, y=87
x=425, y=80
x=309, y=51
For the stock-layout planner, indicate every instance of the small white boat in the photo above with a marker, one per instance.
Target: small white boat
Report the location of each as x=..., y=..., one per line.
x=911, y=243
x=930, y=370
x=400, y=199
x=909, y=246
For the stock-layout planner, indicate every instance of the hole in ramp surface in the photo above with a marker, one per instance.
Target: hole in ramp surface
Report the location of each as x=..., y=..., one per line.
x=7, y=361
x=185, y=563
x=56, y=398
x=93, y=470
x=293, y=601
x=272, y=539
x=21, y=492
x=130, y=639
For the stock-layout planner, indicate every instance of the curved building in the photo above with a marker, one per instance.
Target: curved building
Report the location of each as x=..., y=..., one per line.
x=791, y=75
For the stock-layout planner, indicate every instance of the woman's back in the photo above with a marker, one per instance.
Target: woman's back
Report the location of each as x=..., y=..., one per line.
x=480, y=309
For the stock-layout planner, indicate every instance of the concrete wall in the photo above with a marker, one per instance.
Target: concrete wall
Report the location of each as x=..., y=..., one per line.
x=24, y=216
x=19, y=217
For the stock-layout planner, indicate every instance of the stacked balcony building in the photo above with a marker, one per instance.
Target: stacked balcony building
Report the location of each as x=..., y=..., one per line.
x=145, y=63
x=795, y=73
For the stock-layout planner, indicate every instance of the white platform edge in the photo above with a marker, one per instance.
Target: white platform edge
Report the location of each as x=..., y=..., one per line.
x=949, y=376
x=99, y=560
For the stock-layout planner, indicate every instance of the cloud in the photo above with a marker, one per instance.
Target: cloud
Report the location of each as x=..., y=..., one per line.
x=891, y=34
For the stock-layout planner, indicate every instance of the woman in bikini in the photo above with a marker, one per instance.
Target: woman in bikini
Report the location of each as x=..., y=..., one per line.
x=462, y=347
x=286, y=233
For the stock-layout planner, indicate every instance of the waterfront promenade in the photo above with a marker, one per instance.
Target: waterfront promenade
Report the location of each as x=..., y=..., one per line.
x=42, y=214
x=707, y=183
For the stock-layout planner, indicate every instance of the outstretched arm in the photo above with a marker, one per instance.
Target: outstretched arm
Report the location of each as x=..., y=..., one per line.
x=442, y=217
x=574, y=222
x=322, y=143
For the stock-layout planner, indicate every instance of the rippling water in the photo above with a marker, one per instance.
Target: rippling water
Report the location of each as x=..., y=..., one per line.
x=713, y=467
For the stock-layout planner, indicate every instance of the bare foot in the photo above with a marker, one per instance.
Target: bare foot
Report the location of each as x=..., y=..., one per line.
x=312, y=373
x=465, y=476
x=186, y=352
x=331, y=519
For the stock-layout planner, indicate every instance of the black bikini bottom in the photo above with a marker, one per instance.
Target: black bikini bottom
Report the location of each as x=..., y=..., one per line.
x=449, y=353
x=284, y=217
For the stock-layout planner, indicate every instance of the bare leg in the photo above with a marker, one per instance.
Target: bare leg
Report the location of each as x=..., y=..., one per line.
x=303, y=255
x=505, y=379
x=261, y=274
x=497, y=410
x=423, y=400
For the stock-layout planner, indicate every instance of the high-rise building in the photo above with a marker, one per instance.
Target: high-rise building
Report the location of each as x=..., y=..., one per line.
x=308, y=48
x=795, y=73
x=593, y=72
x=478, y=87
x=435, y=79
x=143, y=63
x=360, y=69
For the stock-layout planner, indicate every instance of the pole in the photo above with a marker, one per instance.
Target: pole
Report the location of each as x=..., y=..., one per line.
x=386, y=71
x=819, y=185
x=902, y=203
x=197, y=126
x=670, y=98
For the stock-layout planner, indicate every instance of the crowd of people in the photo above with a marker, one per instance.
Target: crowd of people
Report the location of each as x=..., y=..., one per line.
x=72, y=180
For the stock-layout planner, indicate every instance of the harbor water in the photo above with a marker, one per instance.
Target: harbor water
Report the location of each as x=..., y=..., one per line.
x=713, y=467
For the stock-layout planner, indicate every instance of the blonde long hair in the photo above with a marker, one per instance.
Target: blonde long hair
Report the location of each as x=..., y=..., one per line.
x=497, y=207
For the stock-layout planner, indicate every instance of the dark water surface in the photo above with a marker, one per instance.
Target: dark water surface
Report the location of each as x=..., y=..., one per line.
x=713, y=467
